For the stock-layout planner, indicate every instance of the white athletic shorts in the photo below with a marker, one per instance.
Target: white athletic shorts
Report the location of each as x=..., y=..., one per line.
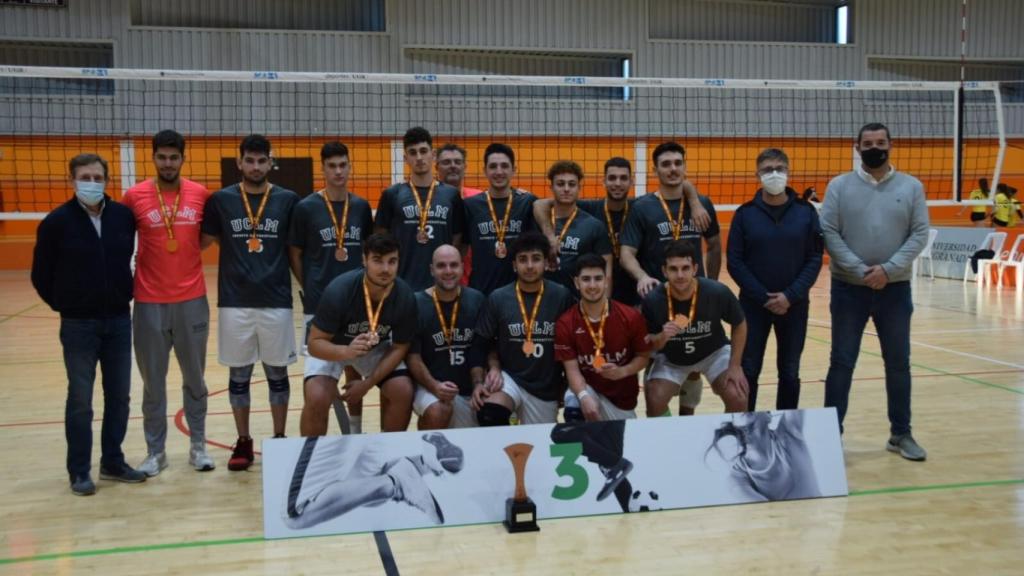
x=463, y=415
x=713, y=366
x=246, y=336
x=529, y=408
x=364, y=365
x=608, y=409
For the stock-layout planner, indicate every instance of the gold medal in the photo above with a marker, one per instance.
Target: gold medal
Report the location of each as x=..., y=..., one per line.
x=597, y=337
x=529, y=320
x=340, y=253
x=682, y=320
x=499, y=249
x=255, y=244
x=169, y=215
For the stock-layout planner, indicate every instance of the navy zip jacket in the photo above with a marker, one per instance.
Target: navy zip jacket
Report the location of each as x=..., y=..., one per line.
x=768, y=255
x=78, y=273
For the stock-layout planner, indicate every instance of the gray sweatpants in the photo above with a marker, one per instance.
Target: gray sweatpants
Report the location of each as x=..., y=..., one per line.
x=158, y=327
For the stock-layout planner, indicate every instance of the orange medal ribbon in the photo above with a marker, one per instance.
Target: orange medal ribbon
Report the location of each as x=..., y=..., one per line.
x=254, y=243
x=597, y=337
x=529, y=321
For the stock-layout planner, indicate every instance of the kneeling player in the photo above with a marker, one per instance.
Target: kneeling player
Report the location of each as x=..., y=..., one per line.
x=366, y=319
x=684, y=322
x=514, y=365
x=438, y=359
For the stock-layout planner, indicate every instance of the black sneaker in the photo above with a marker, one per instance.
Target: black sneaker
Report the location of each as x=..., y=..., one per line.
x=83, y=486
x=126, y=474
x=613, y=477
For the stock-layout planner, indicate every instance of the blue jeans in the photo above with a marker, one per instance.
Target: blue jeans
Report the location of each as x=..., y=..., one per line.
x=86, y=342
x=790, y=334
x=890, y=309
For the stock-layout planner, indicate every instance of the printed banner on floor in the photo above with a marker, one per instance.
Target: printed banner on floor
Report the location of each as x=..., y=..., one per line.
x=345, y=484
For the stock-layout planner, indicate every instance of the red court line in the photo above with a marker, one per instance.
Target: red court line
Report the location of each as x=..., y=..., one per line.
x=761, y=385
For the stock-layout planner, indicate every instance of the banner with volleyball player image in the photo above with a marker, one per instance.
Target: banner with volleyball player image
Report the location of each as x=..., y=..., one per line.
x=346, y=484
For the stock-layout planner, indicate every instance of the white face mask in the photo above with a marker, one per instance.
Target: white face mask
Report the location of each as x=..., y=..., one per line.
x=89, y=193
x=774, y=182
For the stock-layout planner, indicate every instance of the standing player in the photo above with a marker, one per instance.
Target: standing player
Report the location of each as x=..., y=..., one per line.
x=575, y=232
x=613, y=210
x=775, y=247
x=451, y=169
x=514, y=365
x=366, y=319
x=495, y=219
x=684, y=322
x=171, y=309
x=254, y=293
x=422, y=213
x=438, y=360
x=660, y=218
x=325, y=238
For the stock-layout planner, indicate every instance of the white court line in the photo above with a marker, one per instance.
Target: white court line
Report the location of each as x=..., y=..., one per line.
x=939, y=348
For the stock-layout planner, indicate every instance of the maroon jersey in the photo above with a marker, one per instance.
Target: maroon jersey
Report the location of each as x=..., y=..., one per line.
x=624, y=337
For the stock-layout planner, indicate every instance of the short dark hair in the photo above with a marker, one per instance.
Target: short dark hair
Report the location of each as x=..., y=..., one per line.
x=85, y=160
x=565, y=167
x=499, y=148
x=681, y=249
x=772, y=154
x=531, y=241
x=380, y=243
x=452, y=147
x=169, y=139
x=617, y=162
x=872, y=127
x=256, y=143
x=589, y=260
x=670, y=146
x=332, y=149
x=417, y=135
x=983, y=183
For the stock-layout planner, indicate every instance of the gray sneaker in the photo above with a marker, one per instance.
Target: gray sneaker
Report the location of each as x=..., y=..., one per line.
x=153, y=464
x=411, y=489
x=83, y=486
x=906, y=446
x=199, y=459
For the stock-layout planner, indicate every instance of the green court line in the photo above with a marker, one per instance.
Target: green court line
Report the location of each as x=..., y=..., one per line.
x=929, y=368
x=254, y=540
x=18, y=313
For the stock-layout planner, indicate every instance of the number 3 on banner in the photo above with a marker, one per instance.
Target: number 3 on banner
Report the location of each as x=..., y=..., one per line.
x=569, y=453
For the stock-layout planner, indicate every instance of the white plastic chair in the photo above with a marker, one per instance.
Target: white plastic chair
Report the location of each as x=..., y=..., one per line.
x=926, y=254
x=994, y=242
x=1014, y=260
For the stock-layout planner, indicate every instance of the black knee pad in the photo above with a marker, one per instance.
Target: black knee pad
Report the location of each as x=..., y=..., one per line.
x=238, y=388
x=279, y=385
x=493, y=415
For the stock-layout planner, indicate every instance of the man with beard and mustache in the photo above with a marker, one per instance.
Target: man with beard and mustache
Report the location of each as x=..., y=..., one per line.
x=438, y=359
x=366, y=320
x=249, y=221
x=875, y=222
x=171, y=309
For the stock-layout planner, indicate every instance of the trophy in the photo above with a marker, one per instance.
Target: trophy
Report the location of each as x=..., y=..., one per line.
x=520, y=511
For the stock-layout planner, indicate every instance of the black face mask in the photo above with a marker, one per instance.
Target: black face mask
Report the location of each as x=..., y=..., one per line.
x=874, y=157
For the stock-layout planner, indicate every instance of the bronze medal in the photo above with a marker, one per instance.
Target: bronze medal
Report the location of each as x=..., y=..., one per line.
x=341, y=254
x=172, y=245
x=528, y=348
x=255, y=245
x=374, y=338
x=422, y=237
x=681, y=320
x=598, y=361
x=499, y=250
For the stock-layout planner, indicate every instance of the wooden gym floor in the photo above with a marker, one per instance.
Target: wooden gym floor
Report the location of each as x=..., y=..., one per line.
x=961, y=512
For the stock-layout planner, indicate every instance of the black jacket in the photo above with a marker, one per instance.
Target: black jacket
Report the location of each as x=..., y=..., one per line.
x=78, y=273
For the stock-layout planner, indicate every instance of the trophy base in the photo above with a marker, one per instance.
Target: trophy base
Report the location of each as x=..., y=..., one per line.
x=520, y=516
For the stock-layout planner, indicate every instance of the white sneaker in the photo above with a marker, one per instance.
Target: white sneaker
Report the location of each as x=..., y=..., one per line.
x=153, y=464
x=411, y=489
x=199, y=459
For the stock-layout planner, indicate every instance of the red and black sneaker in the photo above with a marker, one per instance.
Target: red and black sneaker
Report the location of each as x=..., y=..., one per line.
x=242, y=455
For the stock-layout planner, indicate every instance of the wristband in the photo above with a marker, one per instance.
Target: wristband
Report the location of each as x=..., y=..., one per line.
x=583, y=394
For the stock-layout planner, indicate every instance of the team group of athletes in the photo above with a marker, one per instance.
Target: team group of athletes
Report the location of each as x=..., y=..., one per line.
x=474, y=308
